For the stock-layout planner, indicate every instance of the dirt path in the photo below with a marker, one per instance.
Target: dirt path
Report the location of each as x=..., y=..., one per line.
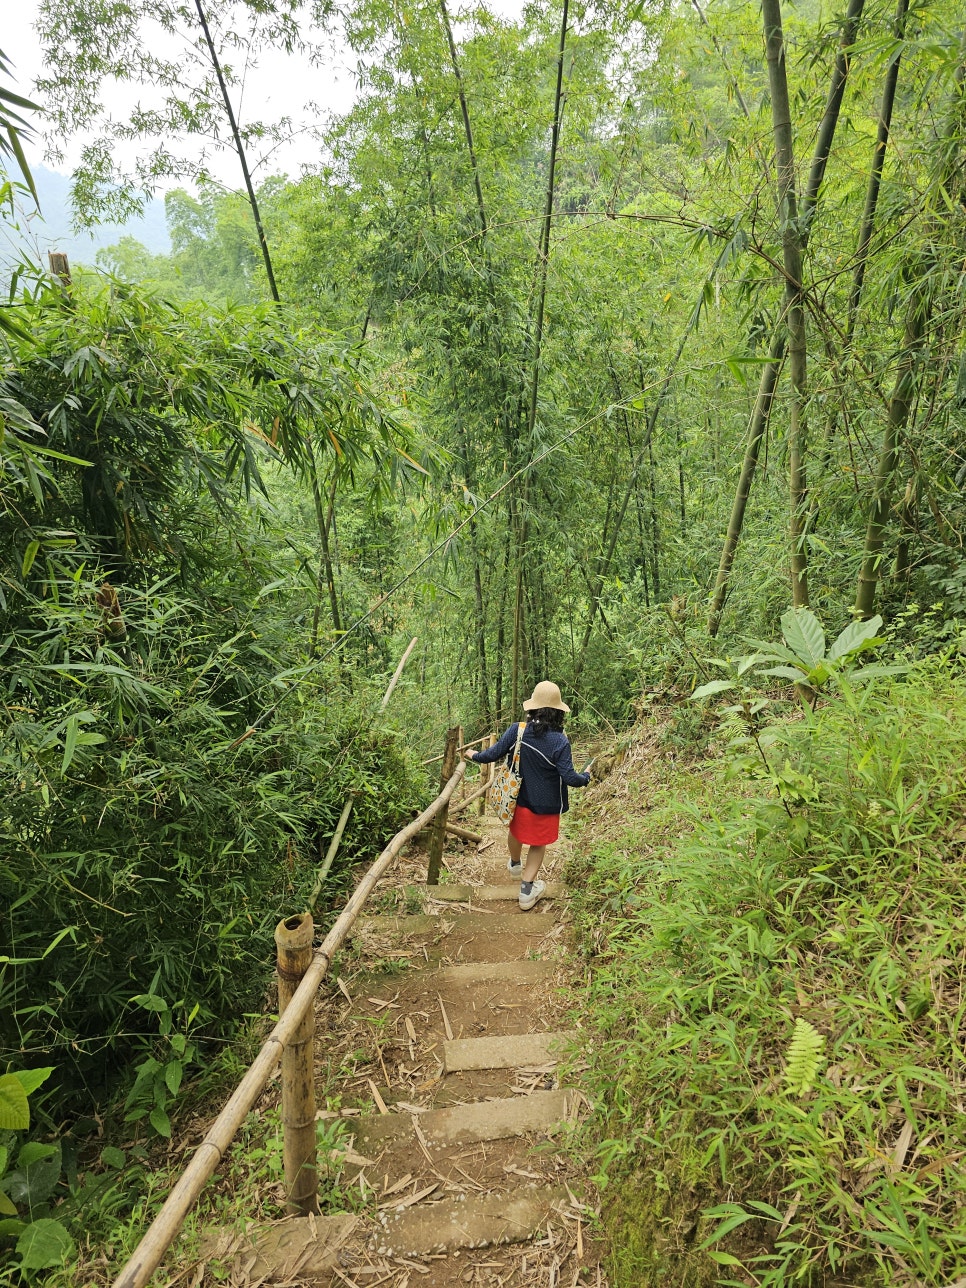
x=437, y=1069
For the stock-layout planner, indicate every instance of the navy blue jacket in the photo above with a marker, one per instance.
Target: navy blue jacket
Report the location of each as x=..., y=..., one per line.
x=546, y=765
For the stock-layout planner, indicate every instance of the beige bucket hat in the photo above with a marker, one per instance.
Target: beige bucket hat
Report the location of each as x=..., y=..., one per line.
x=546, y=694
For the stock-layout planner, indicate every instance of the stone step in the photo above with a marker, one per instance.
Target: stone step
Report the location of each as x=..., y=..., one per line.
x=463, y=923
x=540, y=1111
x=520, y=1051
x=465, y=1222
x=525, y=971
x=479, y=894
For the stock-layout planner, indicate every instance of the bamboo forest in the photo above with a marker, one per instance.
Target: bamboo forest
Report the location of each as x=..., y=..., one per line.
x=620, y=346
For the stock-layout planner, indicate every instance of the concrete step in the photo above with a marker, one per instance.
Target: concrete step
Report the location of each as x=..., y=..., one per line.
x=295, y=1249
x=463, y=923
x=540, y=1111
x=465, y=1222
x=521, y=1051
x=480, y=894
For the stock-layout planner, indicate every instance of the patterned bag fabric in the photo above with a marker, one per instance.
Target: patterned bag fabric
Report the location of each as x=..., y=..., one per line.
x=505, y=787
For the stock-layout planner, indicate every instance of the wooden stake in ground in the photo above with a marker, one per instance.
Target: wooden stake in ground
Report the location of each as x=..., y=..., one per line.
x=486, y=774
x=438, y=833
x=293, y=941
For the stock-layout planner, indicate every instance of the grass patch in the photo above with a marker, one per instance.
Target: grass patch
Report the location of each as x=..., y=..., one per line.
x=779, y=999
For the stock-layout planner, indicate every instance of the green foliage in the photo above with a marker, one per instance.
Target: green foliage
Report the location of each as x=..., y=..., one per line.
x=26, y=1189
x=779, y=993
x=151, y=611
x=157, y=1081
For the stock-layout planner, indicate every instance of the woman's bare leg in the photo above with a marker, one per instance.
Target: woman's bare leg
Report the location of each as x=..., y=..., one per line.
x=515, y=848
x=534, y=858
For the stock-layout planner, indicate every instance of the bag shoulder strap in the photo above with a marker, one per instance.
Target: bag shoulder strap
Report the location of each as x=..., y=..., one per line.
x=516, y=750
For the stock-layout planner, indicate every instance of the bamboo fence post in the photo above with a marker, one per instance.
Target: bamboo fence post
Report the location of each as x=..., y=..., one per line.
x=486, y=775
x=293, y=943
x=438, y=833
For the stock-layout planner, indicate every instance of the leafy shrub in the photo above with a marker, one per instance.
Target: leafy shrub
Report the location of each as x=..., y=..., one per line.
x=40, y=1240
x=783, y=994
x=149, y=614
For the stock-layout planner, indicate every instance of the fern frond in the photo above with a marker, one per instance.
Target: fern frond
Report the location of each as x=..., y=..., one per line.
x=804, y=1057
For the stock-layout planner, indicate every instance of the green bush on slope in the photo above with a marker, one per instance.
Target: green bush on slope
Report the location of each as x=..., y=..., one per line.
x=784, y=998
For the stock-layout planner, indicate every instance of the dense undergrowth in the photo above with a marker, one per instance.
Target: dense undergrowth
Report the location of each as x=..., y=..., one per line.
x=783, y=992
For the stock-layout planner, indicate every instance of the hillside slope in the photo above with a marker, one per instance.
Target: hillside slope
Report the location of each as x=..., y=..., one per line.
x=778, y=992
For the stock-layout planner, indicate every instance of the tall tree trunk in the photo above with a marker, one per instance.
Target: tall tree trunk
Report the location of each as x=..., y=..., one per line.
x=768, y=381
x=900, y=405
x=875, y=172
x=794, y=298
x=918, y=313
x=543, y=263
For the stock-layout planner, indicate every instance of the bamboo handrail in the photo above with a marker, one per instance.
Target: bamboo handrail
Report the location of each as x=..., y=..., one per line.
x=473, y=796
x=462, y=747
x=147, y=1255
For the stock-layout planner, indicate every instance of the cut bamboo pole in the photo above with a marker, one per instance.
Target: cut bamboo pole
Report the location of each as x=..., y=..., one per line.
x=438, y=835
x=293, y=944
x=463, y=833
x=147, y=1255
x=330, y=854
x=398, y=672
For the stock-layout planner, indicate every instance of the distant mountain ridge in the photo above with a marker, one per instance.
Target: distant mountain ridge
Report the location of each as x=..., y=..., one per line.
x=51, y=229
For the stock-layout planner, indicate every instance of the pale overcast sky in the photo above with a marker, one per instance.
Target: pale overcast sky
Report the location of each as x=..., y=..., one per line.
x=280, y=86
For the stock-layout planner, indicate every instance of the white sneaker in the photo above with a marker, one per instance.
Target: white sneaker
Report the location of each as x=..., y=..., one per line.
x=514, y=869
x=538, y=890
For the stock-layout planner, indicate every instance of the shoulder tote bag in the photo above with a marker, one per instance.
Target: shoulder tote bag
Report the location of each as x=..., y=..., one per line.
x=505, y=787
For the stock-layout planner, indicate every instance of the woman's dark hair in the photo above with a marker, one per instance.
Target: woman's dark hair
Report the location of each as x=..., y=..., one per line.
x=544, y=718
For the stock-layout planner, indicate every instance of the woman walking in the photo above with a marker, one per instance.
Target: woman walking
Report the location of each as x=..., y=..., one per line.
x=547, y=770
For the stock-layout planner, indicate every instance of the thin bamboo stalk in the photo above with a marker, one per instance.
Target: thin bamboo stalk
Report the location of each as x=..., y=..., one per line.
x=875, y=171
x=242, y=158
x=543, y=263
x=147, y=1255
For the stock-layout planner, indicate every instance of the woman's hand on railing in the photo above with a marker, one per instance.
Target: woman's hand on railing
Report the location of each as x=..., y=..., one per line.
x=468, y=755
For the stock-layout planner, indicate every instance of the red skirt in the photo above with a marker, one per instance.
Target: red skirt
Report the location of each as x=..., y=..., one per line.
x=534, y=829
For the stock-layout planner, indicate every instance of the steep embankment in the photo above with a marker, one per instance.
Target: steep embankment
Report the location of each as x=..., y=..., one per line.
x=778, y=990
